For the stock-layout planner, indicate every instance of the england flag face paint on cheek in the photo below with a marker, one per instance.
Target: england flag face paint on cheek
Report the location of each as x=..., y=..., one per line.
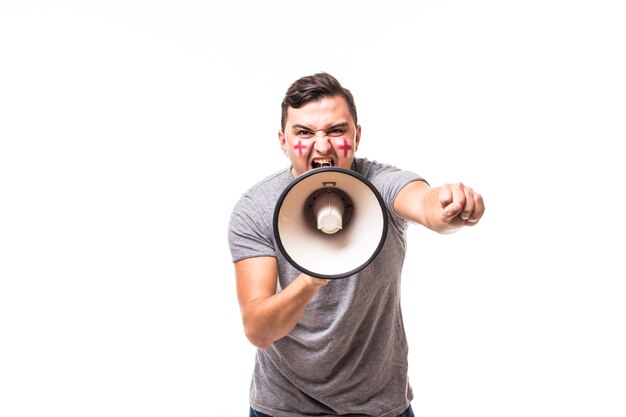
x=300, y=149
x=344, y=148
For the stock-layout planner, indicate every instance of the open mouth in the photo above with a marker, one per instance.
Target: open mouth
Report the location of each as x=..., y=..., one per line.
x=326, y=162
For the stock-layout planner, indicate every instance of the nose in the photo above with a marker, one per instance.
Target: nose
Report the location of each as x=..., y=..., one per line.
x=322, y=144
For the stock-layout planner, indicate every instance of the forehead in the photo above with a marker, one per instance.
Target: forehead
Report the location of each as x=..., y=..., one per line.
x=320, y=113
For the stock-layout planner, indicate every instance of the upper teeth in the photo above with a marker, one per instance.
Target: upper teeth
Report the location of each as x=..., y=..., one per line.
x=323, y=162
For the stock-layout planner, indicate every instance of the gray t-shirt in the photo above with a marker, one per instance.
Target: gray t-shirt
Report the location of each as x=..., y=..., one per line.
x=348, y=353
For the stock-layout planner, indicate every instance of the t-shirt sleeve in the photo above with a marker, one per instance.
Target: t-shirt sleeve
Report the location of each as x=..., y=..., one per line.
x=389, y=181
x=249, y=233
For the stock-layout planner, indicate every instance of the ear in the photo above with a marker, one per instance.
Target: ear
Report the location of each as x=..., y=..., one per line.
x=357, y=138
x=283, y=142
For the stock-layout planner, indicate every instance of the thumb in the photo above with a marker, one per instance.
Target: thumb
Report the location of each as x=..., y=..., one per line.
x=451, y=201
x=451, y=211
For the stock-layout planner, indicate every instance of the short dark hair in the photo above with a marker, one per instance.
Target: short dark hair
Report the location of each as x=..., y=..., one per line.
x=315, y=87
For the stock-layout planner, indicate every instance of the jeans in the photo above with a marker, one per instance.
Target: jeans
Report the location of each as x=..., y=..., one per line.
x=407, y=413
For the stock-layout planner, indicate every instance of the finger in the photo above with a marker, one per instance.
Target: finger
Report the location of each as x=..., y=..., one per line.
x=479, y=209
x=445, y=196
x=316, y=282
x=458, y=193
x=468, y=207
x=450, y=208
x=321, y=282
x=451, y=211
x=458, y=202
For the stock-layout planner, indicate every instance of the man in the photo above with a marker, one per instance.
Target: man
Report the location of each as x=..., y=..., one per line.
x=332, y=348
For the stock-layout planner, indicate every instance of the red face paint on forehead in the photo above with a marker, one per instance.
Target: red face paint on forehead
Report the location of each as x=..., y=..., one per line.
x=345, y=148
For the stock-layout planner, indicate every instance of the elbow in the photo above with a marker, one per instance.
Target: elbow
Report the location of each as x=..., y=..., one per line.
x=260, y=344
x=257, y=339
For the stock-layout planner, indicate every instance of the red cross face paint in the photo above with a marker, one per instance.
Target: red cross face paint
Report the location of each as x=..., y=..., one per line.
x=344, y=148
x=300, y=149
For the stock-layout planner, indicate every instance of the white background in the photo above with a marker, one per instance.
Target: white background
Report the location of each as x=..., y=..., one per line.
x=128, y=129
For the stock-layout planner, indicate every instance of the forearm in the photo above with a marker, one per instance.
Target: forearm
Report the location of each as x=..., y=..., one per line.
x=418, y=203
x=270, y=318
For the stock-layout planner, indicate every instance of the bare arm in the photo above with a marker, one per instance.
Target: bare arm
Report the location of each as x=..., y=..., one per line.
x=444, y=209
x=268, y=315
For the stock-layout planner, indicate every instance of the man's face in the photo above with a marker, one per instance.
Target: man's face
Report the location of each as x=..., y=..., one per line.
x=320, y=133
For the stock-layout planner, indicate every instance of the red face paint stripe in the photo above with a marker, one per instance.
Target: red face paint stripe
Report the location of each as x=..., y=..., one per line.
x=299, y=147
x=345, y=148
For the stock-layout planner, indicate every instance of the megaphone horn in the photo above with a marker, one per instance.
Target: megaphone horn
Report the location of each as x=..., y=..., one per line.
x=328, y=209
x=330, y=222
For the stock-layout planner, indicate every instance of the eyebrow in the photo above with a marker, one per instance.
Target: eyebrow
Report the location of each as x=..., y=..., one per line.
x=343, y=125
x=338, y=125
x=303, y=127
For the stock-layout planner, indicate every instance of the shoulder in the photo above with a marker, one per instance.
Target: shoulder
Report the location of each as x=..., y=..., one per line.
x=369, y=168
x=388, y=179
x=267, y=190
x=256, y=205
x=380, y=173
x=250, y=228
x=276, y=181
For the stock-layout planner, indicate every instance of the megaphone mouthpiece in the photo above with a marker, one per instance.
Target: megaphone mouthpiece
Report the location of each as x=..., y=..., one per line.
x=329, y=209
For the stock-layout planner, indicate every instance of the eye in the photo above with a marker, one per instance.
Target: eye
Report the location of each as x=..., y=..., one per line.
x=336, y=132
x=303, y=133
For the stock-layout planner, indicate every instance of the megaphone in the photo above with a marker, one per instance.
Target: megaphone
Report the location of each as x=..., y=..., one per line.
x=330, y=222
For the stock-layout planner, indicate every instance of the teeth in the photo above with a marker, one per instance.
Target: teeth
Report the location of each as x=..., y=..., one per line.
x=323, y=162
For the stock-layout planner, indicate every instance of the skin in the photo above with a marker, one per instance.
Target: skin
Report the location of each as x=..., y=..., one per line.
x=328, y=115
x=319, y=132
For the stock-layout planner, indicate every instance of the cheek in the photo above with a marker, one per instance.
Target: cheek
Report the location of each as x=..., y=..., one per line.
x=343, y=147
x=301, y=148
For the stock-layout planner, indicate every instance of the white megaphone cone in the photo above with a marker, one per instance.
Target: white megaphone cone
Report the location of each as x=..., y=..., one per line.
x=330, y=222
